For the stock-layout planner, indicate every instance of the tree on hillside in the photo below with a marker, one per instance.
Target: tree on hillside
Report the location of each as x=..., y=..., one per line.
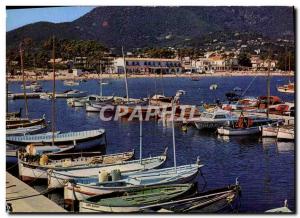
x=160, y=53
x=244, y=60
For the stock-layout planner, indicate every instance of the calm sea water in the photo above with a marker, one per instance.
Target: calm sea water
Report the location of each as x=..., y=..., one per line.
x=265, y=168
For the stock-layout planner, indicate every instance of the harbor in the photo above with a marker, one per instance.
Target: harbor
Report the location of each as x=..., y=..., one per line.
x=248, y=158
x=176, y=122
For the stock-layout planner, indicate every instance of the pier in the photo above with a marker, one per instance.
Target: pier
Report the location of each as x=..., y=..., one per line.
x=30, y=95
x=36, y=95
x=24, y=199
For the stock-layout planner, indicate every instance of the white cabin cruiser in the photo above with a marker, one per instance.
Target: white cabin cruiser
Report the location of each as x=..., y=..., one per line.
x=215, y=119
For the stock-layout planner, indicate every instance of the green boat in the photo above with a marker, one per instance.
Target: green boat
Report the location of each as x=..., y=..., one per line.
x=132, y=201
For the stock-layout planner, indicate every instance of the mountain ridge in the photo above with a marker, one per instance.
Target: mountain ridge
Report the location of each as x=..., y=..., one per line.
x=143, y=26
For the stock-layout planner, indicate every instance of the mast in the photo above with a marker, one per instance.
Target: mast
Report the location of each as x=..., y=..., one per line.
x=173, y=134
x=34, y=68
x=7, y=72
x=100, y=68
x=23, y=78
x=141, y=140
x=268, y=86
x=162, y=82
x=126, y=85
x=53, y=94
x=289, y=61
x=6, y=94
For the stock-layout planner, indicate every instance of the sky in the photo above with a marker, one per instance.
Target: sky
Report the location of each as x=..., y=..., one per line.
x=16, y=18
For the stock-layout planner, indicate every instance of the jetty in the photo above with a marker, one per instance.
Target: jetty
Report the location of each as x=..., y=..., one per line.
x=35, y=95
x=30, y=95
x=21, y=198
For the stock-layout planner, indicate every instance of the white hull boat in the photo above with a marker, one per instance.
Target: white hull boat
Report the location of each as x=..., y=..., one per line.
x=26, y=130
x=269, y=131
x=80, y=102
x=45, y=96
x=37, y=170
x=286, y=133
x=215, y=119
x=80, y=189
x=289, y=88
x=228, y=131
x=56, y=179
x=59, y=138
x=71, y=83
x=90, y=108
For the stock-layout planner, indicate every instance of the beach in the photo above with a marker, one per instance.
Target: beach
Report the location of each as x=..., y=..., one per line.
x=64, y=75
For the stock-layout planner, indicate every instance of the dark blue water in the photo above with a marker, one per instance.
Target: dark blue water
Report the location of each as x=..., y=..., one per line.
x=265, y=168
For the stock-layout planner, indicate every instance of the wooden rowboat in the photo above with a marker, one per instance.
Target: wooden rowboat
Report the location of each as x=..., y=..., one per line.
x=82, y=188
x=132, y=201
x=32, y=167
x=57, y=178
x=211, y=201
x=23, y=122
x=26, y=130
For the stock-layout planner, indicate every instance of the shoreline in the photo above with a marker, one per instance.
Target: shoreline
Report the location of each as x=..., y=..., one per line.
x=64, y=76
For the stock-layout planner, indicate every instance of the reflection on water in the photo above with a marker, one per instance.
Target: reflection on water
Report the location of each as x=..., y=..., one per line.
x=265, y=169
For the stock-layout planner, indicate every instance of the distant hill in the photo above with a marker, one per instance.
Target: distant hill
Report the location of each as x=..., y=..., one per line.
x=137, y=27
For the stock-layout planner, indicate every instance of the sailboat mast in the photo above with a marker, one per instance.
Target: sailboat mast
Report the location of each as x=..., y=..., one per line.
x=23, y=78
x=289, y=61
x=6, y=94
x=125, y=71
x=53, y=94
x=173, y=134
x=268, y=87
x=100, y=68
x=141, y=139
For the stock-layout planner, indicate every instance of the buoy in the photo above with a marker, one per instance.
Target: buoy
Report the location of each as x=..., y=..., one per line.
x=44, y=160
x=103, y=176
x=30, y=149
x=115, y=175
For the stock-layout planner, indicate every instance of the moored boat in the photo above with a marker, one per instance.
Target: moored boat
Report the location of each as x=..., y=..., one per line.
x=34, y=166
x=286, y=133
x=26, y=130
x=71, y=94
x=211, y=201
x=56, y=178
x=283, y=209
x=80, y=102
x=73, y=138
x=269, y=131
x=14, y=123
x=13, y=115
x=289, y=88
x=246, y=126
x=214, y=119
x=132, y=201
x=71, y=83
x=81, y=188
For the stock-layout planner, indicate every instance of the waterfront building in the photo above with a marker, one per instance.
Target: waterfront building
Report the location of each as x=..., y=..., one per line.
x=212, y=62
x=136, y=65
x=77, y=72
x=259, y=64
